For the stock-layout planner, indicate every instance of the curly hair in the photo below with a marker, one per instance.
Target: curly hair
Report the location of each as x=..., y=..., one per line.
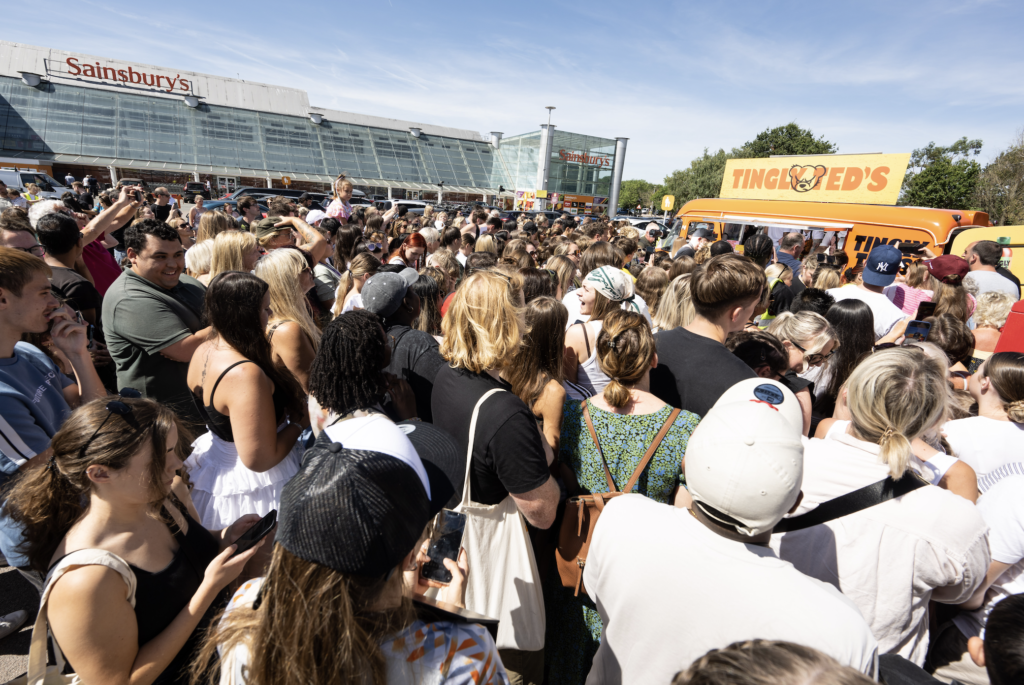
x=348, y=371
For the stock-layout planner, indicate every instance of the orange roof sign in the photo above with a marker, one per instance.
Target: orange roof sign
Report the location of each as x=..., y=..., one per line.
x=858, y=179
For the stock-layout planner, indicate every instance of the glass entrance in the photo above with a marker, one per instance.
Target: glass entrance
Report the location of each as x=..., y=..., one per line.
x=227, y=184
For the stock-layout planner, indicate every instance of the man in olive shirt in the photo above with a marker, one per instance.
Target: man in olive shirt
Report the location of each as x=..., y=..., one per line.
x=152, y=318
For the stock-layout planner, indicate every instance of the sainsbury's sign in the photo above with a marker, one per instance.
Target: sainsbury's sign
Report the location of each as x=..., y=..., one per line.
x=584, y=158
x=129, y=75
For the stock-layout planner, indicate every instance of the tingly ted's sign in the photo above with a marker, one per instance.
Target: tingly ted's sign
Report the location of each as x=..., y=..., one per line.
x=93, y=70
x=858, y=179
x=583, y=158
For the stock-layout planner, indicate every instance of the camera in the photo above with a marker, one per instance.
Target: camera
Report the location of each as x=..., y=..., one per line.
x=656, y=234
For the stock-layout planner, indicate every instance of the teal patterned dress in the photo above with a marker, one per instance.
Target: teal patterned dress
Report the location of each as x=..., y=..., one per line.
x=573, y=623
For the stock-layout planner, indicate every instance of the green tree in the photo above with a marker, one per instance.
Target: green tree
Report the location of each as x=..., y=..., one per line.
x=786, y=140
x=703, y=178
x=942, y=177
x=636, y=192
x=1000, y=189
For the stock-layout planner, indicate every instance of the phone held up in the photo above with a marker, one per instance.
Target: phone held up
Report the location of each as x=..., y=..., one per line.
x=259, y=530
x=445, y=543
x=924, y=310
x=918, y=330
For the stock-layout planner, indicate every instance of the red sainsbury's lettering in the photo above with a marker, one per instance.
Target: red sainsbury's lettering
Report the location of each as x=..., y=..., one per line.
x=73, y=64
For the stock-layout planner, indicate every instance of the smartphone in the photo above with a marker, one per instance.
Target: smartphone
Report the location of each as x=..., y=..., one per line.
x=924, y=310
x=911, y=249
x=138, y=196
x=445, y=543
x=918, y=330
x=260, y=530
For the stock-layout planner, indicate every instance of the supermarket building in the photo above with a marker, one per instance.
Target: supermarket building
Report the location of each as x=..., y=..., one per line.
x=74, y=113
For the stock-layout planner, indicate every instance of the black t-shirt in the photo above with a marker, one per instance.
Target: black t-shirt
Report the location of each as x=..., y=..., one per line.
x=162, y=211
x=782, y=299
x=694, y=371
x=86, y=199
x=508, y=455
x=685, y=250
x=416, y=359
x=75, y=289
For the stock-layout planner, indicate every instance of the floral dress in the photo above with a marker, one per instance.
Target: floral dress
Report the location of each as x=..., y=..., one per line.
x=573, y=623
x=339, y=210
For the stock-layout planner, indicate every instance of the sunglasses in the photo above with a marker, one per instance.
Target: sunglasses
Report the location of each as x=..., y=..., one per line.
x=114, y=407
x=36, y=250
x=813, y=359
x=373, y=247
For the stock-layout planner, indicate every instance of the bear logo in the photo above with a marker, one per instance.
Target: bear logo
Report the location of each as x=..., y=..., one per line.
x=801, y=181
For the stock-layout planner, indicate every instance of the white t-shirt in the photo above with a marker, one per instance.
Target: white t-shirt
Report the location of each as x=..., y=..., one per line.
x=669, y=589
x=890, y=559
x=990, y=280
x=886, y=314
x=571, y=300
x=461, y=257
x=992, y=448
x=1002, y=507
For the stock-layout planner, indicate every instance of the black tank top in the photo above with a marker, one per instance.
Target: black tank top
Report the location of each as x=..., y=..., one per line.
x=220, y=424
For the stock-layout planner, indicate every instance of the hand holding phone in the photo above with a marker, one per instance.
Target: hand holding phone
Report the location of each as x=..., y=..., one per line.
x=445, y=543
x=257, y=532
x=918, y=330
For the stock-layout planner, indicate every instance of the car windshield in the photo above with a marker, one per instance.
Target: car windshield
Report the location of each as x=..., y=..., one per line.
x=39, y=178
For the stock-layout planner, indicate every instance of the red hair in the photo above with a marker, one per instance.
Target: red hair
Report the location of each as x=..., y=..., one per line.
x=413, y=240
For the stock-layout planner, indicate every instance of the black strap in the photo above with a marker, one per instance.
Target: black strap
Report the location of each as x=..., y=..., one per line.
x=852, y=502
x=586, y=339
x=224, y=373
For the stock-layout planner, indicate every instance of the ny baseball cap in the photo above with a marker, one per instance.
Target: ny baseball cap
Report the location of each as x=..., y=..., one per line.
x=744, y=464
x=385, y=291
x=882, y=265
x=359, y=511
x=770, y=392
x=949, y=268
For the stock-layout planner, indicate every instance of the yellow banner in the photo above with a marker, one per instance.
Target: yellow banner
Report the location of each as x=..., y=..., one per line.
x=858, y=179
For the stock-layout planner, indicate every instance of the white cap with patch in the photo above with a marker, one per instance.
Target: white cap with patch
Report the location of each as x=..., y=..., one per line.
x=744, y=464
x=767, y=391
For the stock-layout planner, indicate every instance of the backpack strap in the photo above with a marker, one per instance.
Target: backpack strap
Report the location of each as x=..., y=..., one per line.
x=593, y=436
x=852, y=502
x=77, y=559
x=586, y=338
x=652, y=449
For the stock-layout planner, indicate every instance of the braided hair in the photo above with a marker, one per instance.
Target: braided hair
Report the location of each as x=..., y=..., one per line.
x=348, y=371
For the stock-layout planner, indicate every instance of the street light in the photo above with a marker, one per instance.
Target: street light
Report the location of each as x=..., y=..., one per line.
x=549, y=108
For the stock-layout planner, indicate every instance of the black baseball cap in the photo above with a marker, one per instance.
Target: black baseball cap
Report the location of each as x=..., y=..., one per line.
x=304, y=197
x=359, y=511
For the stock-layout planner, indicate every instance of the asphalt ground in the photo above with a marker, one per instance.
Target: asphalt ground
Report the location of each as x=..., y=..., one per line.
x=16, y=593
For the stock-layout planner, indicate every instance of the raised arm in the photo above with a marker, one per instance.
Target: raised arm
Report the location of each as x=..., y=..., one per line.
x=113, y=217
x=314, y=242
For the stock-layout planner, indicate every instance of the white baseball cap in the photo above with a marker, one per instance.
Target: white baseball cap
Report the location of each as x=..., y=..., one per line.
x=315, y=215
x=770, y=392
x=744, y=465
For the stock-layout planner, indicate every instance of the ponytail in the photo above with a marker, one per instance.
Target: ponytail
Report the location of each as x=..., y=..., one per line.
x=616, y=394
x=45, y=504
x=1015, y=411
x=362, y=264
x=625, y=350
x=1005, y=370
x=895, y=451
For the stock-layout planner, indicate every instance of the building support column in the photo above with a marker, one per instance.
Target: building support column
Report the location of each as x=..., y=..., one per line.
x=620, y=159
x=389, y=192
x=113, y=175
x=195, y=176
x=547, y=135
x=270, y=183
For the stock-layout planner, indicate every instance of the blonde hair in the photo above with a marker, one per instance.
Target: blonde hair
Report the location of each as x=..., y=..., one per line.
x=229, y=251
x=486, y=243
x=340, y=182
x=809, y=330
x=362, y=264
x=484, y=324
x=675, y=308
x=200, y=257
x=778, y=270
x=625, y=349
x=629, y=231
x=992, y=309
x=651, y=285
x=826, y=279
x=281, y=270
x=32, y=188
x=768, y=662
x=918, y=275
x=895, y=396
x=703, y=254
x=213, y=223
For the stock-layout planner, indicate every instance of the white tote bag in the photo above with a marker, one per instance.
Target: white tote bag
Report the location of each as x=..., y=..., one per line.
x=503, y=579
x=38, y=672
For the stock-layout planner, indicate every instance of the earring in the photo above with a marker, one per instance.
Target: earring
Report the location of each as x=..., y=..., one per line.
x=413, y=566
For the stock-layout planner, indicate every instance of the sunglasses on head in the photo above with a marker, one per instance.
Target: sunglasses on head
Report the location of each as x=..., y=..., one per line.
x=118, y=407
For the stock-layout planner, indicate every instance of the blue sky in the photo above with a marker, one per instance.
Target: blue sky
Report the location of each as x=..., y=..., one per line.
x=672, y=77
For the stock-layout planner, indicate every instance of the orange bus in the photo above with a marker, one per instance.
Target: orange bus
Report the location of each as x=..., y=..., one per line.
x=860, y=227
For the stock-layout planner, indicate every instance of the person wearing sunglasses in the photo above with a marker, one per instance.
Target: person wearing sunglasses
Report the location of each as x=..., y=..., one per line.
x=133, y=579
x=810, y=341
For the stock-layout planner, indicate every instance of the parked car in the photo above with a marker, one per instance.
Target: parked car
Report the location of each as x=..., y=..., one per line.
x=215, y=204
x=531, y=215
x=133, y=182
x=192, y=189
x=48, y=186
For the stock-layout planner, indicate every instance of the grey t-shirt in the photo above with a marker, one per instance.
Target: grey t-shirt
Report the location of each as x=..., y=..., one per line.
x=140, y=319
x=326, y=279
x=990, y=280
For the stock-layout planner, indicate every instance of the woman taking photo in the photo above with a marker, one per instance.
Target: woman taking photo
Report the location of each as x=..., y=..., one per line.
x=352, y=281
x=625, y=420
x=603, y=292
x=110, y=490
x=254, y=409
x=292, y=331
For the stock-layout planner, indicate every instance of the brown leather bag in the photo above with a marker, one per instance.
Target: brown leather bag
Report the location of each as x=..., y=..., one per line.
x=582, y=512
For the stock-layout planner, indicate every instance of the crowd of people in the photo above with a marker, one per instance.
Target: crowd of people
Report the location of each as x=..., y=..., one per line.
x=780, y=486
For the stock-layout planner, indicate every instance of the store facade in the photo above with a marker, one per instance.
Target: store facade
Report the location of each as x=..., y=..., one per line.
x=84, y=114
